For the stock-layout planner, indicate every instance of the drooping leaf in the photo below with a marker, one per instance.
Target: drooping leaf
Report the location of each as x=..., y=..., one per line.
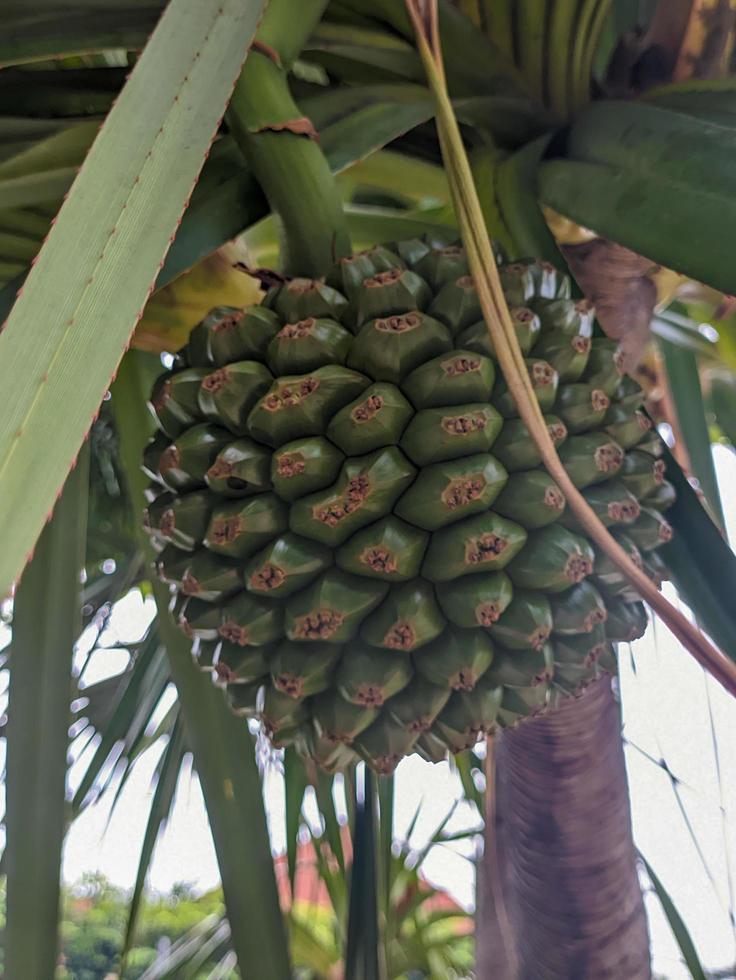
x=677, y=925
x=102, y=256
x=46, y=624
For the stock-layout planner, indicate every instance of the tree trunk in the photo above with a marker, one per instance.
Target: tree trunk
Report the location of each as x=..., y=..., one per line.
x=570, y=883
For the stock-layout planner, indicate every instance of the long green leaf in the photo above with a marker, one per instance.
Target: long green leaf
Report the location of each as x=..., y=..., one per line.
x=295, y=780
x=677, y=925
x=102, y=256
x=46, y=624
x=221, y=743
x=161, y=804
x=364, y=955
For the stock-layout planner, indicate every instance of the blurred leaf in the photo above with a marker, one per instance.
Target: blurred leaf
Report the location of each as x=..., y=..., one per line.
x=364, y=955
x=295, y=783
x=184, y=78
x=723, y=402
x=677, y=925
x=46, y=623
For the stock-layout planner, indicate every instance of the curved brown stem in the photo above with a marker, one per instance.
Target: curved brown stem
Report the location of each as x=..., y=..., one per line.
x=571, y=885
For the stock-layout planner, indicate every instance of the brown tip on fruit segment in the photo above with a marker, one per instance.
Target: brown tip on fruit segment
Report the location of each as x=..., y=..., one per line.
x=379, y=559
x=460, y=492
x=485, y=547
x=267, y=577
x=167, y=524
x=487, y=613
x=599, y=400
x=619, y=359
x=225, y=530
x=234, y=632
x=385, y=764
x=460, y=425
x=398, y=324
x=290, y=464
x=228, y=322
x=162, y=396
x=368, y=409
x=370, y=696
x=217, y=380
x=384, y=278
x=659, y=471
x=539, y=637
x=289, y=684
x=320, y=624
x=580, y=344
x=584, y=307
x=300, y=287
x=594, y=654
x=288, y=395
x=665, y=532
x=543, y=677
x=220, y=469
x=557, y=431
x=170, y=459
x=609, y=457
x=460, y=365
x=224, y=673
x=400, y=636
x=465, y=282
x=554, y=498
x=298, y=330
x=522, y=314
x=190, y=585
x=623, y=511
x=643, y=421
x=336, y=510
x=577, y=568
x=542, y=374
x=465, y=680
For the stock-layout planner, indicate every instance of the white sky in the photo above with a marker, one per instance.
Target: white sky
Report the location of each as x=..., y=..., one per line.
x=666, y=715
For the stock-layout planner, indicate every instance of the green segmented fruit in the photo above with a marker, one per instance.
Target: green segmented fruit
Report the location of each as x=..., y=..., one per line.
x=184, y=463
x=436, y=435
x=451, y=379
x=544, y=381
x=374, y=420
x=591, y=458
x=340, y=721
x=526, y=623
x=521, y=668
x=553, y=560
x=181, y=520
x=390, y=549
x=579, y=610
x=466, y=718
x=516, y=449
x=417, y=706
x=457, y=304
x=367, y=488
x=649, y=530
x=240, y=665
x=285, y=565
x=526, y=324
x=476, y=600
x=627, y=427
x=626, y=622
x=351, y=516
x=241, y=468
x=444, y=493
x=210, y=578
x=532, y=499
x=300, y=671
x=307, y=345
x=238, y=528
x=484, y=543
x=389, y=347
x=369, y=677
x=228, y=394
x=302, y=405
x=642, y=473
x=581, y=407
x=387, y=293
x=175, y=400
x=456, y=660
x=228, y=334
x=303, y=466
x=300, y=298
x=442, y=265
x=407, y=618
x=332, y=608
x=605, y=367
x=385, y=744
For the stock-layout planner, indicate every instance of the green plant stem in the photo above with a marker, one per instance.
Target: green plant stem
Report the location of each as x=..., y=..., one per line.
x=221, y=743
x=498, y=320
x=281, y=149
x=530, y=40
x=589, y=27
x=559, y=55
x=46, y=623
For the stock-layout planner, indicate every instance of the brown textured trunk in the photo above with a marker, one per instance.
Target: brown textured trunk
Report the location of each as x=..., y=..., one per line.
x=568, y=873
